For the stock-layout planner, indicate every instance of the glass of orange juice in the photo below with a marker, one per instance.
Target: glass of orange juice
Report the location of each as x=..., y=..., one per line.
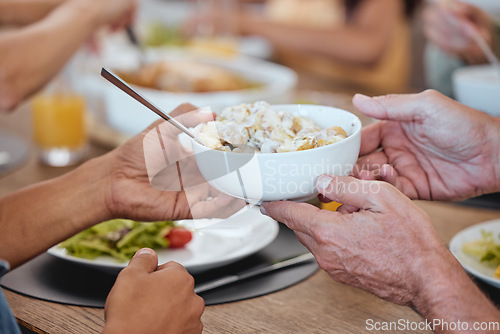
x=59, y=131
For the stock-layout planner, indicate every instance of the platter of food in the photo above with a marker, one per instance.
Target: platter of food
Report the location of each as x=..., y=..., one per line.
x=214, y=243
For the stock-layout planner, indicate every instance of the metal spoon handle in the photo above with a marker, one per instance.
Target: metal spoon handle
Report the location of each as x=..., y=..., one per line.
x=132, y=36
x=115, y=80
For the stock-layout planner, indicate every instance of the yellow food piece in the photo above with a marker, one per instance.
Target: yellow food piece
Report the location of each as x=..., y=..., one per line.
x=336, y=131
x=497, y=272
x=301, y=123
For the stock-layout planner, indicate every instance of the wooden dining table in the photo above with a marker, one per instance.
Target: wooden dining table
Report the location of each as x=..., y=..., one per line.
x=316, y=305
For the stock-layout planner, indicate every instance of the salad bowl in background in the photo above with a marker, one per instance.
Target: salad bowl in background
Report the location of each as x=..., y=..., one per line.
x=471, y=263
x=274, y=83
x=283, y=176
x=478, y=87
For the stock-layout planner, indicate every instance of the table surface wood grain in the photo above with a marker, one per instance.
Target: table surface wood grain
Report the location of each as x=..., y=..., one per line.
x=317, y=305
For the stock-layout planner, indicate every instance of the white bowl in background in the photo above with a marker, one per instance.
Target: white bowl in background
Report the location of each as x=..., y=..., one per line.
x=130, y=117
x=478, y=87
x=283, y=176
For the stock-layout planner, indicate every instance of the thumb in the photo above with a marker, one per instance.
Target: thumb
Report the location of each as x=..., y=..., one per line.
x=349, y=190
x=390, y=107
x=144, y=259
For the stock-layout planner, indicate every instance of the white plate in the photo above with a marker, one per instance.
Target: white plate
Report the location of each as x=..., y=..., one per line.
x=217, y=242
x=470, y=263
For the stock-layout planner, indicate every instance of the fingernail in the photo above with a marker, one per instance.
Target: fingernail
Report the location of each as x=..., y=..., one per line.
x=144, y=251
x=323, y=182
x=263, y=210
x=362, y=97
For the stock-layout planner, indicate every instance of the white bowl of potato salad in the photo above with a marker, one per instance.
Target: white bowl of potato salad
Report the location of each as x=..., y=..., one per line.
x=261, y=152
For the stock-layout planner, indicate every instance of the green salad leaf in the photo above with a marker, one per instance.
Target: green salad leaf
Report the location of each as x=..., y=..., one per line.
x=159, y=34
x=119, y=238
x=487, y=249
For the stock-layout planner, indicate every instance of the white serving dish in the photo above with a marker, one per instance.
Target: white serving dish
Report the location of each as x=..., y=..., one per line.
x=279, y=176
x=216, y=242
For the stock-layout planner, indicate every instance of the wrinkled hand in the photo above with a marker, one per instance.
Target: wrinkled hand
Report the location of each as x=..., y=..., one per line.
x=147, y=298
x=429, y=146
x=377, y=248
x=452, y=25
x=140, y=162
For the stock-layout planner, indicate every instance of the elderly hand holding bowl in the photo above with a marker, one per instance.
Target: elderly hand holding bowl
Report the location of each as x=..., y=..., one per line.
x=433, y=148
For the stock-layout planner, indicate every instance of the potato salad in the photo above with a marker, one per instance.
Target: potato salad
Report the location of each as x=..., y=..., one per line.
x=257, y=128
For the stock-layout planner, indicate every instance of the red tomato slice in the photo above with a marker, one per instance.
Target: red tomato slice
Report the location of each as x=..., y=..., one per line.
x=179, y=237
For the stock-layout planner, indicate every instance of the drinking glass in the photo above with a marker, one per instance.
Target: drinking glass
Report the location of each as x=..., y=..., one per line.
x=58, y=118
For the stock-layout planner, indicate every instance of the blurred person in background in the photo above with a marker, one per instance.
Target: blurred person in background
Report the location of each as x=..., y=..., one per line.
x=425, y=146
x=358, y=42
x=38, y=37
x=450, y=27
